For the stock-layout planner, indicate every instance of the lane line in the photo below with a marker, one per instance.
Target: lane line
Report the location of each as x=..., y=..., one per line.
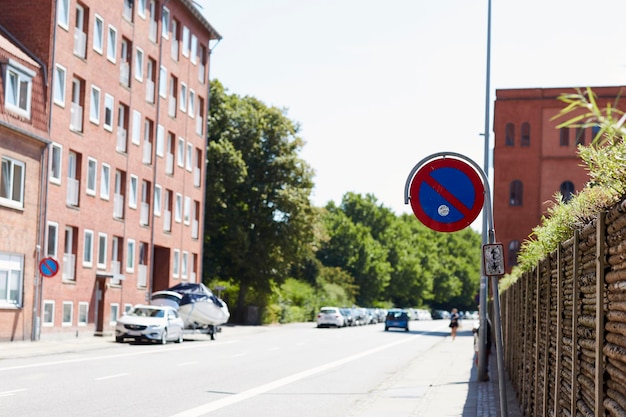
x=102, y=378
x=121, y=355
x=12, y=392
x=261, y=389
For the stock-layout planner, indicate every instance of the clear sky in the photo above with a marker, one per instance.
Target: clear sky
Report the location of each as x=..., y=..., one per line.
x=377, y=86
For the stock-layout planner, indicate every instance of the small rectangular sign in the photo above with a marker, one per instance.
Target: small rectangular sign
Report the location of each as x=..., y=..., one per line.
x=493, y=259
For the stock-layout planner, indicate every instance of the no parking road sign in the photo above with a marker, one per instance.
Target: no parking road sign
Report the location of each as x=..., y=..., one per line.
x=48, y=267
x=447, y=194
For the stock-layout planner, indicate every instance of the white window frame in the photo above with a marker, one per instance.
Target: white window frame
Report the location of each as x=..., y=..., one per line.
x=191, y=109
x=193, y=51
x=109, y=107
x=63, y=14
x=178, y=208
x=94, y=104
x=12, y=275
x=98, y=34
x=112, y=44
x=88, y=243
x=130, y=255
x=185, y=41
x=187, y=211
x=158, y=192
x=176, y=264
x=13, y=92
x=47, y=320
x=160, y=140
x=132, y=191
x=103, y=240
x=165, y=22
x=180, y=152
x=184, y=265
x=183, y=97
x=56, y=163
x=60, y=81
x=92, y=173
x=83, y=311
x=141, y=8
x=163, y=82
x=136, y=133
x=139, y=58
x=9, y=184
x=105, y=181
x=52, y=239
x=114, y=313
x=67, y=305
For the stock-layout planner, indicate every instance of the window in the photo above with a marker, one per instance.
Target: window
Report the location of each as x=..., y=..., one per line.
x=68, y=312
x=157, y=200
x=122, y=127
x=567, y=190
x=564, y=136
x=94, y=106
x=83, y=313
x=105, y=181
x=192, y=103
x=69, y=255
x=132, y=191
x=595, y=131
x=52, y=238
x=175, y=39
x=148, y=140
x=112, y=44
x=200, y=117
x=178, y=213
x=184, y=265
x=188, y=157
x=126, y=52
x=139, y=64
x=136, y=135
x=514, y=247
x=48, y=313
x=11, y=279
x=141, y=8
x=181, y=152
x=59, y=85
x=109, y=102
x=525, y=136
x=114, y=313
x=98, y=35
x=510, y=134
x=88, y=248
x=92, y=170
x=163, y=82
x=63, y=13
x=12, y=183
x=56, y=152
x=187, y=210
x=516, y=194
x=580, y=136
x=130, y=255
x=127, y=12
x=74, y=164
x=176, y=264
x=150, y=80
x=183, y=97
x=80, y=37
x=193, y=52
x=102, y=250
x=165, y=23
x=186, y=41
x=160, y=140
x=78, y=101
x=171, y=105
x=18, y=89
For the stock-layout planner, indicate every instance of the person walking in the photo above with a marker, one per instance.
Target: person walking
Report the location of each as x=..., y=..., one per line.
x=454, y=322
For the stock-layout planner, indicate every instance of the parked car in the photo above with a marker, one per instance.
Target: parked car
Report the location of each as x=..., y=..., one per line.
x=348, y=316
x=150, y=322
x=397, y=318
x=440, y=314
x=424, y=315
x=330, y=317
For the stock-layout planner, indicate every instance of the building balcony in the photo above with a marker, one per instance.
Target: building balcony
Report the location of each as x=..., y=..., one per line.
x=171, y=107
x=150, y=91
x=147, y=152
x=174, y=50
x=196, y=177
x=144, y=214
x=142, y=276
x=195, y=228
x=120, y=145
x=71, y=198
x=125, y=74
x=69, y=267
x=118, y=206
x=169, y=163
x=76, y=117
x=201, y=73
x=115, y=271
x=199, y=124
x=80, y=43
x=167, y=221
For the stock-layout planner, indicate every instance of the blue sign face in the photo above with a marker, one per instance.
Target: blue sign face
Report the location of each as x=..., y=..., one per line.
x=447, y=195
x=48, y=267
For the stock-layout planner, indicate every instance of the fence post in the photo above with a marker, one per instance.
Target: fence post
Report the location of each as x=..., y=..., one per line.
x=600, y=265
x=575, y=273
x=559, y=331
x=537, y=302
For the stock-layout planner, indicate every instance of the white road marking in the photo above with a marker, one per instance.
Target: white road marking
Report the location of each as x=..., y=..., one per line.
x=225, y=402
x=120, y=355
x=102, y=378
x=12, y=392
x=188, y=363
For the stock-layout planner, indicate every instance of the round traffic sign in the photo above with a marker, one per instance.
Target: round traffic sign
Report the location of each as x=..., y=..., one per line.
x=48, y=267
x=447, y=194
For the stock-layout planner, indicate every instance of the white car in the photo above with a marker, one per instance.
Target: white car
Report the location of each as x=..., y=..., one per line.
x=150, y=322
x=330, y=317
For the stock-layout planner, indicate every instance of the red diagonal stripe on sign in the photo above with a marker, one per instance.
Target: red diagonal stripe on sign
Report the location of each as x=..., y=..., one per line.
x=442, y=191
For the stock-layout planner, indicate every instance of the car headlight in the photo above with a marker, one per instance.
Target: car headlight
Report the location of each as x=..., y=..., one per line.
x=155, y=326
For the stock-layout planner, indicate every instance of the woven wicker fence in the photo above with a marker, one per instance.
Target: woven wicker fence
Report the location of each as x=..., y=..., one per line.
x=564, y=325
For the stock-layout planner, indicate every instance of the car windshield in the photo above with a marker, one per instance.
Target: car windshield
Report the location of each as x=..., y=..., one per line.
x=396, y=315
x=147, y=312
x=328, y=310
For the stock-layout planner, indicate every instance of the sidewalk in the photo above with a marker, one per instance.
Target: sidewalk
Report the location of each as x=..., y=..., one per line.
x=410, y=393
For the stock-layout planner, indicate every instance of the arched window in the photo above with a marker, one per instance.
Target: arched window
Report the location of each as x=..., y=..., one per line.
x=595, y=129
x=516, y=195
x=510, y=134
x=567, y=190
x=580, y=136
x=514, y=246
x=525, y=139
x=564, y=136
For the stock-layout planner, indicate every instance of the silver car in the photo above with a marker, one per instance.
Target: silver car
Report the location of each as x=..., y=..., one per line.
x=149, y=322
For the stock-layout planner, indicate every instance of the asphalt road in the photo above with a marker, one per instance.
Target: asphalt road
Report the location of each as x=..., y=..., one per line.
x=282, y=371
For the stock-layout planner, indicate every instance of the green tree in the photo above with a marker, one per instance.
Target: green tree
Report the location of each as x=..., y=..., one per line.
x=258, y=217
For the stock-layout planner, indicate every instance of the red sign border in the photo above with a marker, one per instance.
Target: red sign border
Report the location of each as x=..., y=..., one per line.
x=418, y=180
x=43, y=261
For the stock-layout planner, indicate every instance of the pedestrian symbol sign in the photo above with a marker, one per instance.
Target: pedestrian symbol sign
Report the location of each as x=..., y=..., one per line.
x=446, y=194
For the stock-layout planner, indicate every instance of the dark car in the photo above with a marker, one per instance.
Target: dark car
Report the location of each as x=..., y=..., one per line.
x=397, y=318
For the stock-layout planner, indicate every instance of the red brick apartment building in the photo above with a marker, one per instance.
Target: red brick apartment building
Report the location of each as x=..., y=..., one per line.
x=127, y=95
x=533, y=159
